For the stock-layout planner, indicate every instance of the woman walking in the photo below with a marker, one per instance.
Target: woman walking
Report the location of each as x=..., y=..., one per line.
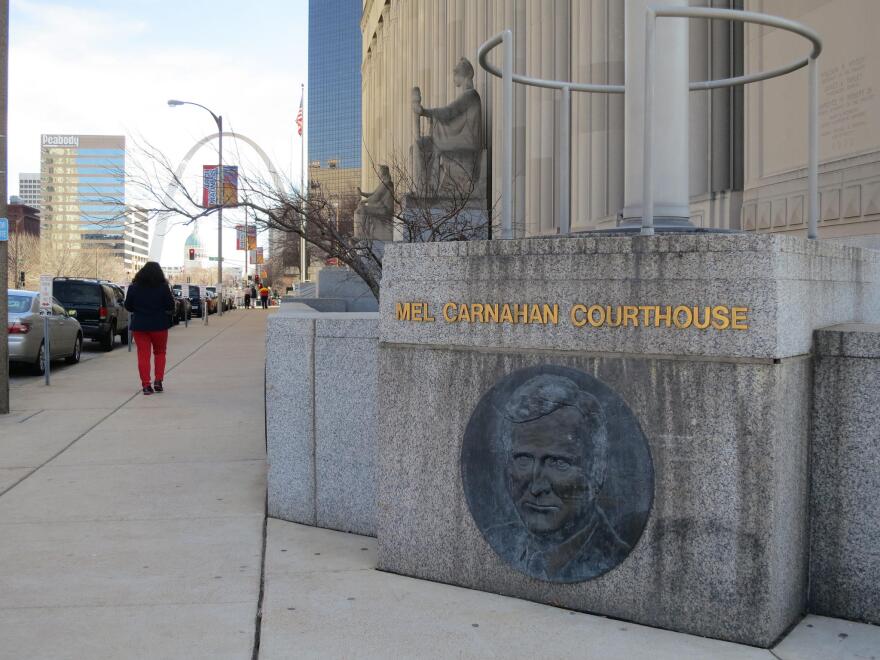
x=151, y=304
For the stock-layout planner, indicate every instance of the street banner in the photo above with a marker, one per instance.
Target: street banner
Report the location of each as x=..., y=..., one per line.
x=45, y=293
x=240, y=238
x=209, y=186
x=259, y=256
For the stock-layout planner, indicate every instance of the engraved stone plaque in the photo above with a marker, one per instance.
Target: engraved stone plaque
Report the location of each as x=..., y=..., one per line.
x=557, y=473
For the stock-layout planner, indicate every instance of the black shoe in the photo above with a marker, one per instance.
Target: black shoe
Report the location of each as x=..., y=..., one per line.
x=148, y=390
x=157, y=386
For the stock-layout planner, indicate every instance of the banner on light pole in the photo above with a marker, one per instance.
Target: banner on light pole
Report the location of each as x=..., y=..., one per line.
x=209, y=186
x=240, y=237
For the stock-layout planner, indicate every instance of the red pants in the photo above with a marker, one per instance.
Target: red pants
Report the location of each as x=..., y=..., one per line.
x=154, y=341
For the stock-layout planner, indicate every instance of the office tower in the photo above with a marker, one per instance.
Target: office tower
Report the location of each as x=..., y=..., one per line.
x=29, y=189
x=334, y=100
x=83, y=196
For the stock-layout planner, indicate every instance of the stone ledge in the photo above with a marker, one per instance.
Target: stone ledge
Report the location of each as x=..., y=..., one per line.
x=790, y=286
x=628, y=243
x=856, y=340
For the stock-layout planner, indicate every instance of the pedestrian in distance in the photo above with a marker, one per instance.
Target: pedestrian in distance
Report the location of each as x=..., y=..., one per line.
x=254, y=295
x=151, y=304
x=247, y=299
x=264, y=296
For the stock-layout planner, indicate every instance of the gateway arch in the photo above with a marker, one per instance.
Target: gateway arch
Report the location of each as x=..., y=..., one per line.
x=161, y=229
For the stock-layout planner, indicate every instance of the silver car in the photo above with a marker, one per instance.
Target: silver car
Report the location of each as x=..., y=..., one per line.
x=25, y=325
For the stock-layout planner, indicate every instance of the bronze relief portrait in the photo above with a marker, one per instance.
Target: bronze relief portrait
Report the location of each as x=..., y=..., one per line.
x=557, y=473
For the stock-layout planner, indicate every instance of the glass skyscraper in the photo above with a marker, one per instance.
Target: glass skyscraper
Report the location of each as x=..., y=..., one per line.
x=334, y=99
x=82, y=187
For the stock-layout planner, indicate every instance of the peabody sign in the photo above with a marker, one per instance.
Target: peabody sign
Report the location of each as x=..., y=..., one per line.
x=61, y=140
x=702, y=317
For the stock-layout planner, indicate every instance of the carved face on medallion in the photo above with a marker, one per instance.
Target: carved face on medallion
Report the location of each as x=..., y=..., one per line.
x=545, y=434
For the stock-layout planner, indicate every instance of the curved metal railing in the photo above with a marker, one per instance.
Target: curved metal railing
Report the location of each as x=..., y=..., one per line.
x=508, y=77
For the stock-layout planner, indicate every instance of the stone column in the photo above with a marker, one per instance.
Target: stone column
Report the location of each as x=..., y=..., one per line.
x=670, y=143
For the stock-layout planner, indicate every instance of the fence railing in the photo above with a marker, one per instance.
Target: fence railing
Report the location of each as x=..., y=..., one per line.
x=563, y=156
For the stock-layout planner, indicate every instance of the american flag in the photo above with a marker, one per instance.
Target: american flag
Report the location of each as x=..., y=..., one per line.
x=299, y=119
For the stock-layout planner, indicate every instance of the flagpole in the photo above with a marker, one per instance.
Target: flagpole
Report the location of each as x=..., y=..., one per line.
x=303, y=258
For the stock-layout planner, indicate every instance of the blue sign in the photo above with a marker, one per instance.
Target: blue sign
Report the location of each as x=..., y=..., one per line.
x=4, y=229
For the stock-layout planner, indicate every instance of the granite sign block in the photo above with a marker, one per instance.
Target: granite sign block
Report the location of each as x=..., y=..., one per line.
x=788, y=287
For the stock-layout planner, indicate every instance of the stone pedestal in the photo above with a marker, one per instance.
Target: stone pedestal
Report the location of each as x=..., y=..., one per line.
x=321, y=418
x=724, y=410
x=419, y=223
x=845, y=485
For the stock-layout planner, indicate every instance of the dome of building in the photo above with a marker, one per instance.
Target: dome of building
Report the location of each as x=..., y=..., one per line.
x=193, y=240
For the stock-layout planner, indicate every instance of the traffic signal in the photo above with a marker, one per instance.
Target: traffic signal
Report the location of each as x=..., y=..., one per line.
x=192, y=254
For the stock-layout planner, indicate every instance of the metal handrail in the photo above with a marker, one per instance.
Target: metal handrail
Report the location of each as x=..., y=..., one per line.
x=651, y=15
x=508, y=77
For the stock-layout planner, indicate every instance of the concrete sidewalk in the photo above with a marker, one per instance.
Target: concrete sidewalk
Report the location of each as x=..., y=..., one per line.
x=324, y=599
x=132, y=526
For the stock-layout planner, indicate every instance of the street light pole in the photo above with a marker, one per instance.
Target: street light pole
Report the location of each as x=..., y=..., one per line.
x=220, y=201
x=218, y=119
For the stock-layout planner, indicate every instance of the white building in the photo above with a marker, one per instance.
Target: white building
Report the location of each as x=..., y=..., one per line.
x=137, y=242
x=29, y=189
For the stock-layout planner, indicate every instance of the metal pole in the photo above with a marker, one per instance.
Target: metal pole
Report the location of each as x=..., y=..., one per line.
x=220, y=201
x=647, y=155
x=47, y=350
x=205, y=310
x=247, y=245
x=507, y=140
x=564, y=179
x=303, y=260
x=813, y=165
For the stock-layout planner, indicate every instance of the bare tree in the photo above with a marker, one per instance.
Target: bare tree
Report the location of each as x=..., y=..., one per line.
x=323, y=220
x=24, y=258
x=96, y=261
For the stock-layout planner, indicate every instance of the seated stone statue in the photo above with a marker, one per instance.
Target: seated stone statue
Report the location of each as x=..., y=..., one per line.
x=373, y=216
x=447, y=162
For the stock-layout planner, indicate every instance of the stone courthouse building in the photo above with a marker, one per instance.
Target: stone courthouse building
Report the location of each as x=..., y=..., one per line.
x=748, y=147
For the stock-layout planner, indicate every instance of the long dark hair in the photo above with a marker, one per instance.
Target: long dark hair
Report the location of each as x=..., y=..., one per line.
x=150, y=275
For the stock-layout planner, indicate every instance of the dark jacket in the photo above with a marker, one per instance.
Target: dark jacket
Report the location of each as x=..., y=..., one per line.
x=151, y=307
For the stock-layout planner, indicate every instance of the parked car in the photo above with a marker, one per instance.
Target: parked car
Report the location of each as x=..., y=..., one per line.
x=228, y=301
x=212, y=302
x=182, y=306
x=194, y=293
x=99, y=307
x=25, y=331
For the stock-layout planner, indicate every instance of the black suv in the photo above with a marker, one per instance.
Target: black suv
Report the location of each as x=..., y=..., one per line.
x=99, y=306
x=194, y=293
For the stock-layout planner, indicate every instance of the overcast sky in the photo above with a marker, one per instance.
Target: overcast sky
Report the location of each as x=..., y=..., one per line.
x=109, y=66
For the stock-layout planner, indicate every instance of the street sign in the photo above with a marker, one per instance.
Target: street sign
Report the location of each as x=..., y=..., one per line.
x=45, y=292
x=213, y=258
x=4, y=229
